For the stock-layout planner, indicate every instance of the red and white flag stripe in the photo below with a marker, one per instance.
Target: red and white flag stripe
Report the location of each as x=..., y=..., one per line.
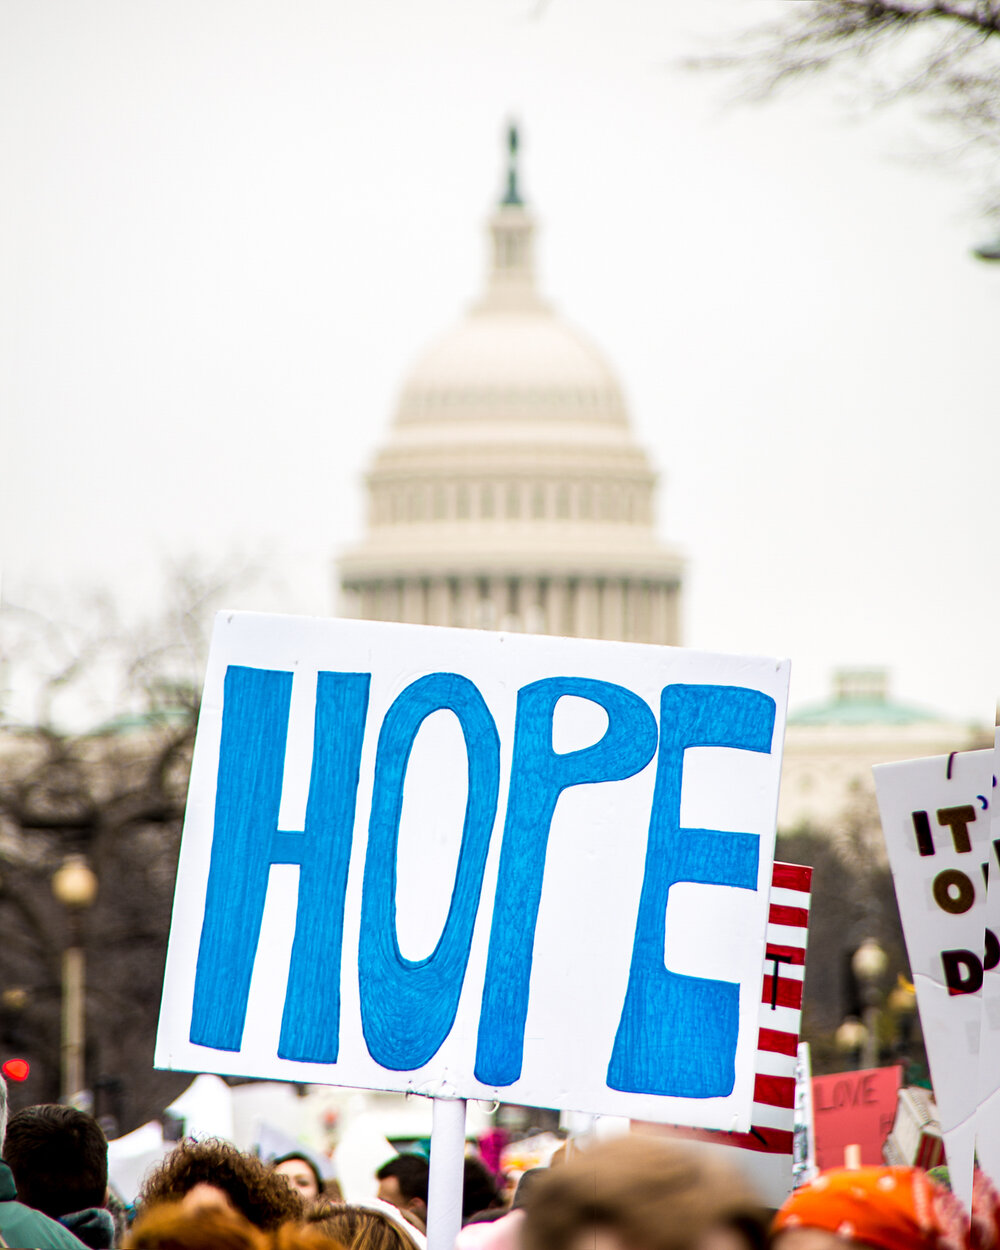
x=780, y=1017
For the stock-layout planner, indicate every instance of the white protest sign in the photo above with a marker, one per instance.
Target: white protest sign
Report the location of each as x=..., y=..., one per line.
x=804, y=1167
x=477, y=865
x=936, y=821
x=988, y=1116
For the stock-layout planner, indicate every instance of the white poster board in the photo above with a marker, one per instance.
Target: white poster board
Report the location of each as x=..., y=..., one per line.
x=988, y=1117
x=936, y=820
x=477, y=865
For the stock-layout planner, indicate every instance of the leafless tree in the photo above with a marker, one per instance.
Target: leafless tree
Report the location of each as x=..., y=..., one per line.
x=113, y=792
x=852, y=900
x=943, y=53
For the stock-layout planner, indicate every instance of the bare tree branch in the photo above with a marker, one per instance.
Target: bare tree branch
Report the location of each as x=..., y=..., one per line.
x=114, y=792
x=943, y=53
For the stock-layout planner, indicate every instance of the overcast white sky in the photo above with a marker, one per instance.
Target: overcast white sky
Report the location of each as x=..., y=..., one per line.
x=228, y=227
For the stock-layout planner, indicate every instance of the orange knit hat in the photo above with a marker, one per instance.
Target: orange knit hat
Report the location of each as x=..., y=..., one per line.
x=892, y=1208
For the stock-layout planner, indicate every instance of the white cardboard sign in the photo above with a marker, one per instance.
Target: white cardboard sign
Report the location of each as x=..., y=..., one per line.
x=477, y=865
x=936, y=820
x=988, y=1117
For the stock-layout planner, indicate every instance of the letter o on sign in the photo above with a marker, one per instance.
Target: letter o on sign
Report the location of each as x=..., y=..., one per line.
x=953, y=891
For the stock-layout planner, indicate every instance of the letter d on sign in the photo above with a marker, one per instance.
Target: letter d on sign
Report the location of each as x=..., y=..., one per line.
x=963, y=971
x=678, y=1034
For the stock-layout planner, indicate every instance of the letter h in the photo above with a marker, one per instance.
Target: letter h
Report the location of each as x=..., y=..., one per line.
x=246, y=841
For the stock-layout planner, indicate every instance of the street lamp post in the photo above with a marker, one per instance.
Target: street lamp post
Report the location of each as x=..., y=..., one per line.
x=75, y=886
x=869, y=963
x=902, y=1002
x=850, y=1039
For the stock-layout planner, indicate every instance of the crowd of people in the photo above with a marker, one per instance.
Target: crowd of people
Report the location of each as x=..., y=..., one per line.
x=633, y=1193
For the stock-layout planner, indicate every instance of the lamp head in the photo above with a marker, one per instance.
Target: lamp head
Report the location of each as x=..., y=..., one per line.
x=74, y=883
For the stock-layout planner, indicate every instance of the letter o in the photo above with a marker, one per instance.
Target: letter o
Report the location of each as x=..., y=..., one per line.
x=949, y=880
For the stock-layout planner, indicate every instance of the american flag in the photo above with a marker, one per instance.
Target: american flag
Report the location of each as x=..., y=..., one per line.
x=780, y=1019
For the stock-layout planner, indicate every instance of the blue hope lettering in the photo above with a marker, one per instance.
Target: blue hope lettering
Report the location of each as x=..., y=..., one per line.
x=246, y=842
x=408, y=1006
x=676, y=1034
x=538, y=775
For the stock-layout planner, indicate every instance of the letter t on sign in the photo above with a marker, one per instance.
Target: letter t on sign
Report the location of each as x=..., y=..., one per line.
x=958, y=819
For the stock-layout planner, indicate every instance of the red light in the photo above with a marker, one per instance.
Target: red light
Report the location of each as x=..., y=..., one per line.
x=16, y=1069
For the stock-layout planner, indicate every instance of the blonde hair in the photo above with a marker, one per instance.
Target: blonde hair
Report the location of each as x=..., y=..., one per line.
x=359, y=1228
x=303, y=1237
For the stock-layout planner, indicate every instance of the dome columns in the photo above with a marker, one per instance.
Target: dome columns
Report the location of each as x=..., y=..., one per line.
x=609, y=607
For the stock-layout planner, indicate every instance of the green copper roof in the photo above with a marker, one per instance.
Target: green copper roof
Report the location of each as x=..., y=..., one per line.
x=861, y=697
x=870, y=711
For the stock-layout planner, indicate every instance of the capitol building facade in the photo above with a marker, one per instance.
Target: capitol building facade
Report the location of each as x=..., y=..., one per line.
x=510, y=493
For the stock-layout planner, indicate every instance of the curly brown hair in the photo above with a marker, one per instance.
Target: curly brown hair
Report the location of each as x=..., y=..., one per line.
x=260, y=1195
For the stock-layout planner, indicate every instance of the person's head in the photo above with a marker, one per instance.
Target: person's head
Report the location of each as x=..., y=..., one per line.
x=526, y=1183
x=890, y=1208
x=639, y=1193
x=480, y=1191
x=360, y=1228
x=215, y=1173
x=59, y=1159
x=174, y=1226
x=301, y=1173
x=403, y=1182
x=303, y=1237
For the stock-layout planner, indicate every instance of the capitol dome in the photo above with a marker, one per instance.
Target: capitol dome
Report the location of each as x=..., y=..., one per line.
x=510, y=493
x=547, y=353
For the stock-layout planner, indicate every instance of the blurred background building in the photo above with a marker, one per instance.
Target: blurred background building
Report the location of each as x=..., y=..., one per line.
x=511, y=494
x=830, y=747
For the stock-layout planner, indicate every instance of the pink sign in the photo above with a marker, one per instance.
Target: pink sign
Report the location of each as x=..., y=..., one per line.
x=854, y=1109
